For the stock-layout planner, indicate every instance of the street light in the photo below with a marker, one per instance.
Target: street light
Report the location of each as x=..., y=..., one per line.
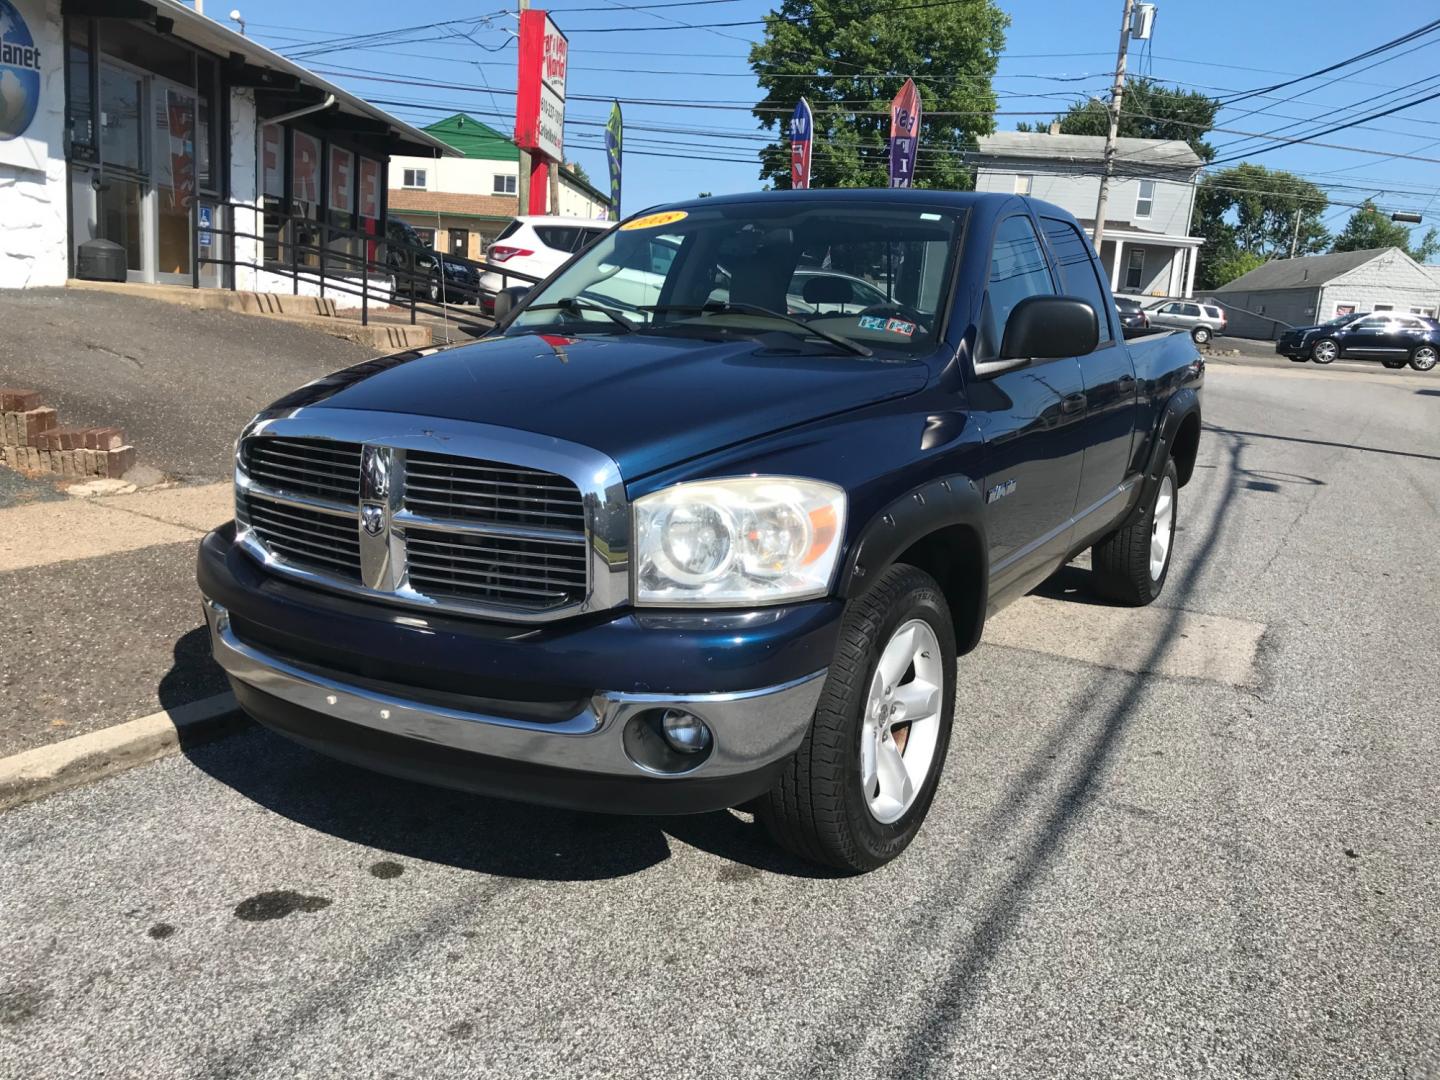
x=1406, y=216
x=239, y=19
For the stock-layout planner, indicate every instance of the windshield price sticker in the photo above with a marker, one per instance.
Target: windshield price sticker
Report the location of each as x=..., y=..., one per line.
x=872, y=322
x=900, y=326
x=654, y=221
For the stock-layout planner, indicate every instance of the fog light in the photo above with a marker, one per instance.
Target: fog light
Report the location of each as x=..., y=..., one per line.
x=685, y=731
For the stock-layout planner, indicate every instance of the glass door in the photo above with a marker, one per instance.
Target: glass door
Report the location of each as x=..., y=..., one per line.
x=172, y=171
x=122, y=212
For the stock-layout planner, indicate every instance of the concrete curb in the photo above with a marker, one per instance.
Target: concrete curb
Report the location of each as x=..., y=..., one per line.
x=46, y=770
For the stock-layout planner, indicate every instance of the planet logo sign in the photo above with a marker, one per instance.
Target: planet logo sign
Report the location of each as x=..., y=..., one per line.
x=19, y=73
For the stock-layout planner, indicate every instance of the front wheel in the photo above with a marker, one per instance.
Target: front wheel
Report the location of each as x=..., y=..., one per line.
x=858, y=789
x=1423, y=358
x=1200, y=335
x=1131, y=564
x=1324, y=352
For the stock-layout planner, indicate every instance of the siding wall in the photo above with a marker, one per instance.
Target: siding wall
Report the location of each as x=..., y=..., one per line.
x=1077, y=193
x=1387, y=279
x=1293, y=307
x=466, y=176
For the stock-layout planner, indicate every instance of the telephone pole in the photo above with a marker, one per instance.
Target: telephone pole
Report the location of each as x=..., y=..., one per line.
x=1116, y=92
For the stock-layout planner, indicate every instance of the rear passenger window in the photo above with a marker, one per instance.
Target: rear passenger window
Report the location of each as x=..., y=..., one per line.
x=1077, y=269
x=1193, y=310
x=1017, y=269
x=559, y=237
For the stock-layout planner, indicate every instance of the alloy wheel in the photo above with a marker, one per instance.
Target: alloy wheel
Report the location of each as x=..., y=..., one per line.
x=1162, y=528
x=901, y=725
x=1423, y=358
x=1325, y=352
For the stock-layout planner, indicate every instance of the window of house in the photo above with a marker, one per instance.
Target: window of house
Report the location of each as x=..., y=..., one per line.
x=1145, y=199
x=1077, y=268
x=504, y=184
x=1017, y=270
x=413, y=178
x=1383, y=307
x=1135, y=270
x=1023, y=183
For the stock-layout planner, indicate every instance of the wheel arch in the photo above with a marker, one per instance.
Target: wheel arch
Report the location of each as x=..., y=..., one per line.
x=939, y=528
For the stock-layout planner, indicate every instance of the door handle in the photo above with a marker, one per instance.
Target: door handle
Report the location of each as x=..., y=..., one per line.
x=1073, y=403
x=1126, y=380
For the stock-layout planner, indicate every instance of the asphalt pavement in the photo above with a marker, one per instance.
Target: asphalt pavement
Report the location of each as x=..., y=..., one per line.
x=1129, y=871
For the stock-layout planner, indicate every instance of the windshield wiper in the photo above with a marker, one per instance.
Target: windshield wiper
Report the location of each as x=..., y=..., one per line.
x=725, y=307
x=575, y=306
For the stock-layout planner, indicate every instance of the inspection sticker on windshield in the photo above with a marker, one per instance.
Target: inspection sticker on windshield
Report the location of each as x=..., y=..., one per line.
x=872, y=322
x=654, y=221
x=900, y=326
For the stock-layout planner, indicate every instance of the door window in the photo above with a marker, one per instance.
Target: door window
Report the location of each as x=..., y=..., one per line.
x=1017, y=269
x=1077, y=268
x=1134, y=268
x=1372, y=323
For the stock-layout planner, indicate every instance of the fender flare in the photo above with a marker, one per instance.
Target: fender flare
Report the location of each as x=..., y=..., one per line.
x=921, y=512
x=1183, y=404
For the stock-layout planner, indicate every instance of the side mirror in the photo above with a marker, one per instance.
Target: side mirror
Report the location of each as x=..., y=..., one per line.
x=1044, y=328
x=506, y=299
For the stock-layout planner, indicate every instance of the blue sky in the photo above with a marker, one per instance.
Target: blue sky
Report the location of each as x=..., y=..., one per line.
x=1219, y=46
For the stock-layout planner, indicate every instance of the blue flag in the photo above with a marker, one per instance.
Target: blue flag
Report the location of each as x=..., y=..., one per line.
x=614, y=153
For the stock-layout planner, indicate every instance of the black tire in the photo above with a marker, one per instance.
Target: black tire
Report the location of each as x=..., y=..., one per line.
x=1424, y=357
x=818, y=809
x=1299, y=359
x=1120, y=563
x=1393, y=365
x=1324, y=351
x=1201, y=335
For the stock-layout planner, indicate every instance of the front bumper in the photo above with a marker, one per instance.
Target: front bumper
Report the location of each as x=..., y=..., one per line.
x=549, y=729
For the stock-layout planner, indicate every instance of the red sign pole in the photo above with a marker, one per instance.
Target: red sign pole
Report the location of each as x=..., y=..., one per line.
x=540, y=100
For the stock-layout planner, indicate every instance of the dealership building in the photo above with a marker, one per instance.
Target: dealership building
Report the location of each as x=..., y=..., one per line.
x=157, y=129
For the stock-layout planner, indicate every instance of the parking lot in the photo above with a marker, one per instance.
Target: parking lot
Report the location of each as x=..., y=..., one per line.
x=1198, y=839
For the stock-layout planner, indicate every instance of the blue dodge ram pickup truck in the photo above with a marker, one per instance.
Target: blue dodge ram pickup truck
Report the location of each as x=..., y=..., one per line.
x=708, y=519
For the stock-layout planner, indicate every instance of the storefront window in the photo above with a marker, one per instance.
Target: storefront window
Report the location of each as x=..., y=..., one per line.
x=272, y=168
x=121, y=141
x=305, y=195
x=77, y=90
x=370, y=205
x=207, y=124
x=341, y=214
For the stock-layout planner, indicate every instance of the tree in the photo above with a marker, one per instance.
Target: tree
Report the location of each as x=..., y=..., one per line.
x=1247, y=215
x=578, y=171
x=1148, y=110
x=849, y=60
x=1369, y=228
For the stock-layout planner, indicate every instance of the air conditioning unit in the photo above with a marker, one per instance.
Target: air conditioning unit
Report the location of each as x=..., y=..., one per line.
x=1142, y=21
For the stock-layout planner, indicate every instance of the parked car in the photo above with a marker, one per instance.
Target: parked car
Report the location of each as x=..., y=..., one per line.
x=535, y=246
x=1203, y=320
x=417, y=269
x=1390, y=337
x=717, y=554
x=1133, y=319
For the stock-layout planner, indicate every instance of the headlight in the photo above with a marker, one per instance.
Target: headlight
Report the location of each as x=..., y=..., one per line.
x=747, y=540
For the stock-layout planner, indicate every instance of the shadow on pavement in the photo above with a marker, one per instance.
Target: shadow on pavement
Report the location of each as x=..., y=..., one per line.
x=1428, y=393
x=1324, y=442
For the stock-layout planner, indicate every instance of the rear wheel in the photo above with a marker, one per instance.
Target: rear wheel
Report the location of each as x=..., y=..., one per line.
x=1324, y=352
x=1423, y=358
x=1131, y=564
x=858, y=789
x=1200, y=335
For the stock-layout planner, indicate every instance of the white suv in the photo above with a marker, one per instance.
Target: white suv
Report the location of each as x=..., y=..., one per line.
x=535, y=246
x=1204, y=319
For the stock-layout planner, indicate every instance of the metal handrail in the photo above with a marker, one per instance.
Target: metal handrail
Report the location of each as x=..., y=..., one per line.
x=329, y=261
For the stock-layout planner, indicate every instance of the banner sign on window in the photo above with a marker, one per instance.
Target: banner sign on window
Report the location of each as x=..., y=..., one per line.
x=904, y=135
x=614, y=153
x=802, y=130
x=180, y=119
x=305, y=182
x=369, y=188
x=342, y=180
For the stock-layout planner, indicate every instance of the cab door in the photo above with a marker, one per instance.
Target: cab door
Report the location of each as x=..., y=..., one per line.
x=1032, y=419
x=1373, y=337
x=1108, y=378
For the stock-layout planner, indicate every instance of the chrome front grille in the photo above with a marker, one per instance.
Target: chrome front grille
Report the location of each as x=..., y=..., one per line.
x=318, y=467
x=446, y=486
x=416, y=526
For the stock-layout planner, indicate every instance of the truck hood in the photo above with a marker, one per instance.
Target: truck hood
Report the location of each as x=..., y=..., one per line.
x=646, y=401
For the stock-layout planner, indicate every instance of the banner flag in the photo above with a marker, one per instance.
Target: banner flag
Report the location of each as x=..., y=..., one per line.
x=614, y=154
x=802, y=131
x=904, y=135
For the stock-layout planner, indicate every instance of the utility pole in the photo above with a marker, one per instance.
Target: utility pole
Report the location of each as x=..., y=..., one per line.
x=1295, y=237
x=1116, y=92
x=522, y=183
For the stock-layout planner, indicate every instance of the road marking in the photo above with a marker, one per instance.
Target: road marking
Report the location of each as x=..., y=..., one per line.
x=1195, y=646
x=47, y=769
x=39, y=534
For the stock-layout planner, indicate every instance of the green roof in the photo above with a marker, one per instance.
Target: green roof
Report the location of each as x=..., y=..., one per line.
x=474, y=139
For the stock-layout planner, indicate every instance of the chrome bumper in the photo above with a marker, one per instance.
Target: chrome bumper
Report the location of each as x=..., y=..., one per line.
x=751, y=729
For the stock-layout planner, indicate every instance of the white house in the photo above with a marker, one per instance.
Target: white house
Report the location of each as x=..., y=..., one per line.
x=1148, y=249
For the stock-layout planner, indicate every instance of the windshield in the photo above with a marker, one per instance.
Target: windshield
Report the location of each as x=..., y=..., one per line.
x=827, y=278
